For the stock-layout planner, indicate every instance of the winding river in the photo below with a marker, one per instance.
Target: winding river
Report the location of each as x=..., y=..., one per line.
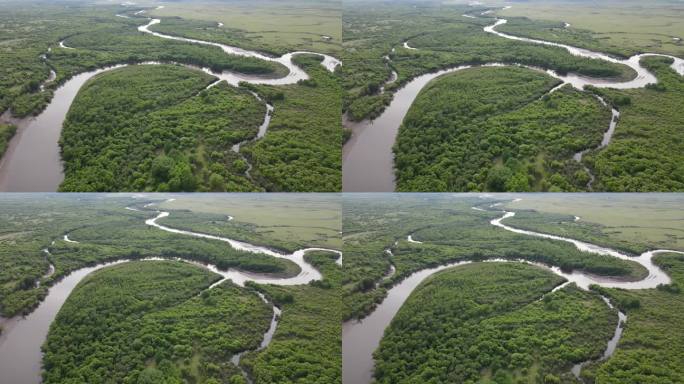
x=392, y=77
x=32, y=162
x=260, y=133
x=607, y=136
x=22, y=337
x=360, y=338
x=368, y=160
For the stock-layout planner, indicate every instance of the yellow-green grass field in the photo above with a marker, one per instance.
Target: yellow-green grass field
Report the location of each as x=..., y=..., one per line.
x=297, y=24
x=311, y=219
x=639, y=26
x=654, y=220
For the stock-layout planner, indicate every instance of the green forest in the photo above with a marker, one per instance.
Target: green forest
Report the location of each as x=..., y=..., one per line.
x=300, y=154
x=500, y=322
x=652, y=346
x=153, y=322
x=307, y=345
x=444, y=39
x=302, y=151
x=165, y=325
x=187, y=133
x=105, y=231
x=535, y=153
x=158, y=128
x=31, y=34
x=450, y=231
x=170, y=328
x=647, y=150
x=484, y=323
x=497, y=129
x=6, y=133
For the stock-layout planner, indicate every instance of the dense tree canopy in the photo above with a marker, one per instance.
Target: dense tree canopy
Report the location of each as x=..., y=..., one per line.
x=652, y=346
x=105, y=231
x=485, y=323
x=647, y=151
x=6, y=133
x=164, y=325
x=156, y=127
x=307, y=345
x=302, y=151
x=497, y=129
x=443, y=38
x=450, y=231
x=152, y=320
x=31, y=34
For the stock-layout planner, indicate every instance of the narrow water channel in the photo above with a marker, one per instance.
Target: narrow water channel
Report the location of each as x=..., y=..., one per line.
x=294, y=75
x=32, y=162
x=265, y=341
x=22, y=337
x=368, y=160
x=610, y=347
x=607, y=137
x=360, y=338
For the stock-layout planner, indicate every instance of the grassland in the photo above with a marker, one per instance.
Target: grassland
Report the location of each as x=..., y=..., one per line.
x=163, y=326
x=633, y=222
x=272, y=26
x=443, y=38
x=620, y=27
x=301, y=153
x=483, y=322
x=291, y=221
x=30, y=49
x=642, y=156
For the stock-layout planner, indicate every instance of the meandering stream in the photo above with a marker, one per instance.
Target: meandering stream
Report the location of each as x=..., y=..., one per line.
x=368, y=160
x=32, y=162
x=360, y=338
x=607, y=137
x=22, y=337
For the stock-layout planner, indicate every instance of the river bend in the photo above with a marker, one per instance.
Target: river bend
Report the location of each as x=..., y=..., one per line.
x=368, y=160
x=32, y=161
x=360, y=338
x=22, y=337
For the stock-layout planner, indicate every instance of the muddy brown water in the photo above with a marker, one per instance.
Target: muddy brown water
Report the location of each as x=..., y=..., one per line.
x=22, y=337
x=368, y=160
x=32, y=162
x=360, y=338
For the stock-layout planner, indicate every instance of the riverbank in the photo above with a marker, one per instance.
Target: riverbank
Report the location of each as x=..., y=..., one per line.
x=363, y=336
x=369, y=150
x=39, y=320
